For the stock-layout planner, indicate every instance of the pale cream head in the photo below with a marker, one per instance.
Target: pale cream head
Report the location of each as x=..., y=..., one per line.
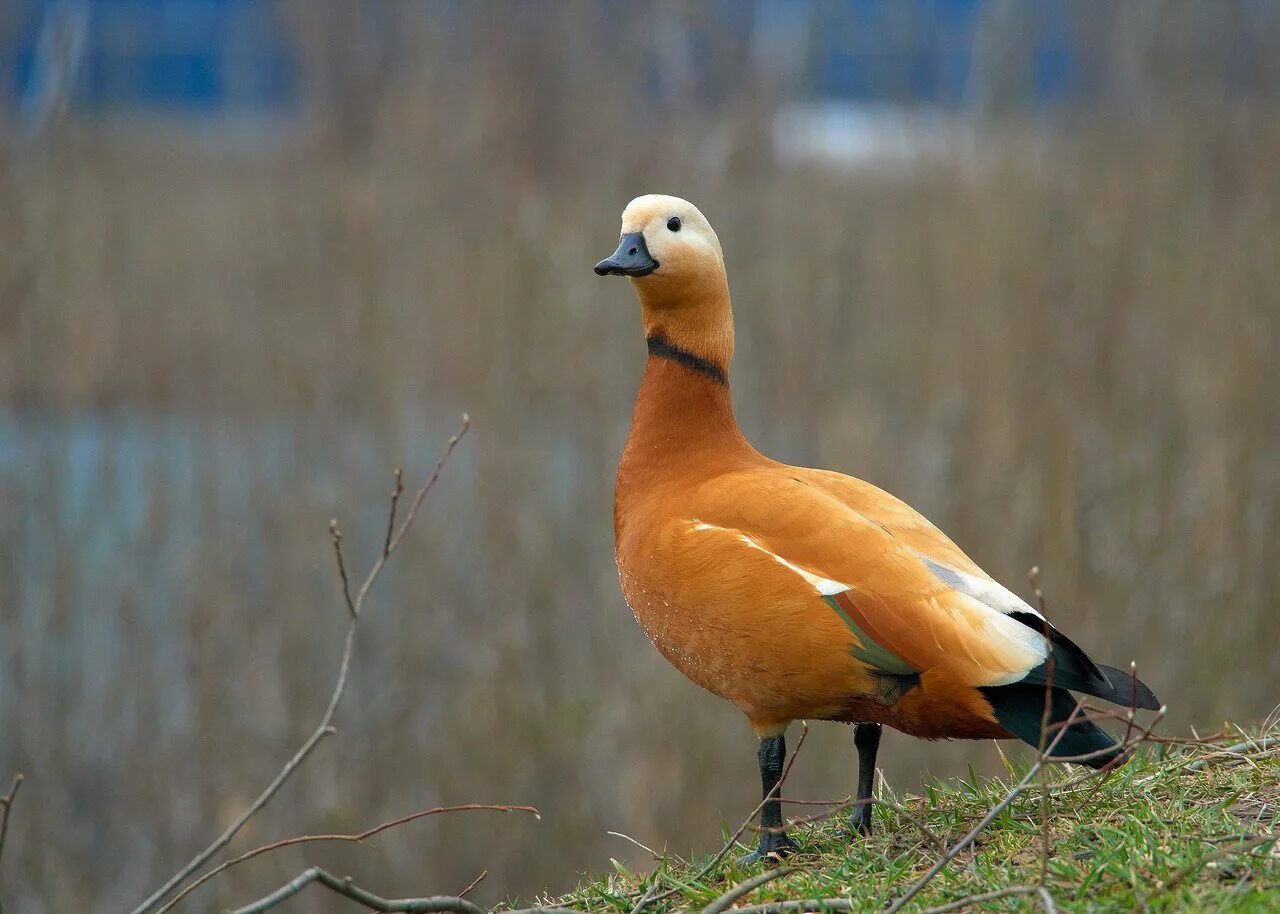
x=674, y=260
x=679, y=237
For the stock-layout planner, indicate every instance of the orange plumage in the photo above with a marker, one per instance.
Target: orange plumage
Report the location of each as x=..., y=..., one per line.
x=794, y=592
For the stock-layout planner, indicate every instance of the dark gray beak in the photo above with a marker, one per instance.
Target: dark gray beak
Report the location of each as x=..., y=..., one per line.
x=630, y=259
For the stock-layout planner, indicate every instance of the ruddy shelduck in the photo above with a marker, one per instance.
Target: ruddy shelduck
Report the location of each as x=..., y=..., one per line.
x=803, y=593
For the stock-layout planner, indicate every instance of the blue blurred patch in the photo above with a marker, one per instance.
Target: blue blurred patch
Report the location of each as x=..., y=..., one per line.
x=192, y=56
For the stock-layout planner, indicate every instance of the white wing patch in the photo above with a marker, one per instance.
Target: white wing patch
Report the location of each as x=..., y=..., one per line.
x=824, y=586
x=996, y=603
x=983, y=590
x=1030, y=645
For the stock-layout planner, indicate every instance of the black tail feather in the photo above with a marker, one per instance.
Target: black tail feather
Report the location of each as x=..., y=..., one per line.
x=1019, y=708
x=1129, y=690
x=1075, y=670
x=1113, y=685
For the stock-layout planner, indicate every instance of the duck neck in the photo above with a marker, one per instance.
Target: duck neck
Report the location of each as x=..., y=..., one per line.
x=691, y=318
x=683, y=425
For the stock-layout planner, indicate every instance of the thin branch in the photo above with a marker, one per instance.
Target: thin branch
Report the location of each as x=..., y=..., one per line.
x=355, y=839
x=1236, y=752
x=745, y=888
x=644, y=847
x=6, y=807
x=1047, y=900
x=816, y=905
x=1133, y=699
x=325, y=727
x=336, y=535
x=1050, y=667
x=648, y=897
x=431, y=481
x=396, y=491
x=350, y=890
x=986, y=820
x=1248, y=846
x=801, y=906
x=473, y=883
x=960, y=903
x=838, y=807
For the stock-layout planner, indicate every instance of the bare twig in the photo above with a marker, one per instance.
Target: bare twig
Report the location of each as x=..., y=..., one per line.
x=6, y=807
x=1047, y=900
x=644, y=847
x=1133, y=699
x=1244, y=848
x=649, y=898
x=336, y=535
x=986, y=820
x=396, y=491
x=838, y=807
x=324, y=727
x=799, y=906
x=1236, y=753
x=815, y=905
x=425, y=490
x=473, y=883
x=350, y=890
x=745, y=888
x=354, y=839
x=1050, y=667
x=1080, y=711
x=961, y=903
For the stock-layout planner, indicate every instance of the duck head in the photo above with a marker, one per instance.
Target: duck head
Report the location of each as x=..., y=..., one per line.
x=674, y=261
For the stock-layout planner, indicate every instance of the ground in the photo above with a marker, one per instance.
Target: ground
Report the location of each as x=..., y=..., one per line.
x=1178, y=829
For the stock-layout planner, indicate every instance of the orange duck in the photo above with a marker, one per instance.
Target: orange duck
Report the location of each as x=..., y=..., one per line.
x=803, y=593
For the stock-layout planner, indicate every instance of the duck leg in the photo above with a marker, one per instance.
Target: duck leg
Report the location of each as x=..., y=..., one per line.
x=866, y=737
x=773, y=840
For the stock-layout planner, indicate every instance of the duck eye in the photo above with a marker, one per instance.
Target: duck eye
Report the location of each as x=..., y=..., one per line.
x=673, y=224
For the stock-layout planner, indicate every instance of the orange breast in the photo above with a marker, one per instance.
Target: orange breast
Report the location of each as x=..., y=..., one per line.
x=741, y=627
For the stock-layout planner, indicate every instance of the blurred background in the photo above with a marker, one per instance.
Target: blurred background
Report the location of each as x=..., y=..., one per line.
x=1017, y=262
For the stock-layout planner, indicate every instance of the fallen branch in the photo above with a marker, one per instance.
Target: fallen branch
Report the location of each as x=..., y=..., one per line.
x=350, y=890
x=324, y=727
x=355, y=839
x=745, y=888
x=1237, y=752
x=802, y=906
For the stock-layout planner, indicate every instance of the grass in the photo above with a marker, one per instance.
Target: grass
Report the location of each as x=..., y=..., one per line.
x=1185, y=828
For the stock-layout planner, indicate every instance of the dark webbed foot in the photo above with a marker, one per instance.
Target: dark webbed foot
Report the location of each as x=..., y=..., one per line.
x=860, y=820
x=771, y=843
